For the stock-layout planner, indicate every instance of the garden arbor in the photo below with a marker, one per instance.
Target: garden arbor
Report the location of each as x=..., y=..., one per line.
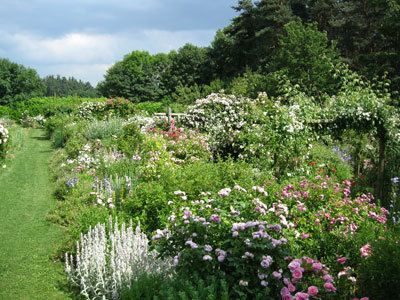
x=360, y=108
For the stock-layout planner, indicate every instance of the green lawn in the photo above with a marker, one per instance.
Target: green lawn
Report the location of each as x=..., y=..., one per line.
x=27, y=239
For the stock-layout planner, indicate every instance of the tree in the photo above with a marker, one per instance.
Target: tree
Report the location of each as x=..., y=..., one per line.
x=18, y=83
x=138, y=77
x=305, y=57
x=189, y=65
x=63, y=87
x=252, y=36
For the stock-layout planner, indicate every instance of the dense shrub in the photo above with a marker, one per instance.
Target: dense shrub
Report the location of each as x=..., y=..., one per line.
x=378, y=272
x=194, y=287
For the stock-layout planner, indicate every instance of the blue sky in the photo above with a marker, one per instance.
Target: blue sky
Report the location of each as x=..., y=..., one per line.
x=83, y=38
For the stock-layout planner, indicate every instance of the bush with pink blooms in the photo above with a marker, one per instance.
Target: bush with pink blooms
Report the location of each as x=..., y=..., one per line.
x=225, y=233
x=248, y=234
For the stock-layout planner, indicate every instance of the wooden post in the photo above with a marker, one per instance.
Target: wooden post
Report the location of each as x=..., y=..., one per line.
x=169, y=115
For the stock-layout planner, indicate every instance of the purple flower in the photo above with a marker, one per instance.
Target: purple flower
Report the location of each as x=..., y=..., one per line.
x=208, y=248
x=266, y=262
x=191, y=244
x=221, y=254
x=215, y=218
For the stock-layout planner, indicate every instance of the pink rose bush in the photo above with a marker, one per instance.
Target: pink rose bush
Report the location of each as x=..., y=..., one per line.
x=248, y=259
x=251, y=228
x=307, y=279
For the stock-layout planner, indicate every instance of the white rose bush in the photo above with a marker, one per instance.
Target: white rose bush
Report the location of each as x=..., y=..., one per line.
x=4, y=138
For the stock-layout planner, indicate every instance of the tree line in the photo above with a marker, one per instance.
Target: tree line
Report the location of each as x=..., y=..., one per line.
x=269, y=41
x=19, y=83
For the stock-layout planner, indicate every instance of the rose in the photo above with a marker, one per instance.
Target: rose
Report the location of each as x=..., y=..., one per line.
x=301, y=296
x=329, y=287
x=297, y=273
x=312, y=290
x=341, y=260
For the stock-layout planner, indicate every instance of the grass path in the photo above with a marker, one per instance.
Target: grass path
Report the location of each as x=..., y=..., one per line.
x=27, y=240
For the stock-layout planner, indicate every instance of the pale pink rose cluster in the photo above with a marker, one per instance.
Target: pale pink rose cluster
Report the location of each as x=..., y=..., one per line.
x=224, y=192
x=366, y=250
x=299, y=269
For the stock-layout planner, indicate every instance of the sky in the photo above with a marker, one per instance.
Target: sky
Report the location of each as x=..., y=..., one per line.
x=83, y=38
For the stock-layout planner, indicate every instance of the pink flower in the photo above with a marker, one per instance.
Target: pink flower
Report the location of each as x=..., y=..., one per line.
x=364, y=298
x=295, y=264
x=329, y=287
x=287, y=297
x=297, y=273
x=341, y=260
x=341, y=273
x=301, y=296
x=312, y=290
x=276, y=275
x=285, y=291
x=316, y=266
x=304, y=236
x=366, y=250
x=328, y=278
x=291, y=288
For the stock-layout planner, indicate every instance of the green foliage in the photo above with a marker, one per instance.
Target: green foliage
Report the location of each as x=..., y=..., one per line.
x=119, y=107
x=131, y=139
x=104, y=129
x=178, y=288
x=4, y=111
x=305, y=58
x=150, y=107
x=18, y=83
x=378, y=273
x=136, y=77
x=47, y=106
x=327, y=159
x=64, y=87
x=190, y=66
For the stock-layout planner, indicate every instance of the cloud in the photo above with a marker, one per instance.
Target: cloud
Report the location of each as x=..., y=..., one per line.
x=85, y=72
x=88, y=56
x=70, y=48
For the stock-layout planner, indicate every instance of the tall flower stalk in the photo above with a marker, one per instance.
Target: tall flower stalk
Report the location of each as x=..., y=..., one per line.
x=106, y=264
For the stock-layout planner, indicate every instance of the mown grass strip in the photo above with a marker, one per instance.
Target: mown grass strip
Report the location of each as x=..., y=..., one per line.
x=27, y=239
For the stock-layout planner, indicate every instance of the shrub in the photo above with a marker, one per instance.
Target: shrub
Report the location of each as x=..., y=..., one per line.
x=131, y=139
x=379, y=272
x=226, y=234
x=271, y=135
x=119, y=106
x=327, y=161
x=104, y=129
